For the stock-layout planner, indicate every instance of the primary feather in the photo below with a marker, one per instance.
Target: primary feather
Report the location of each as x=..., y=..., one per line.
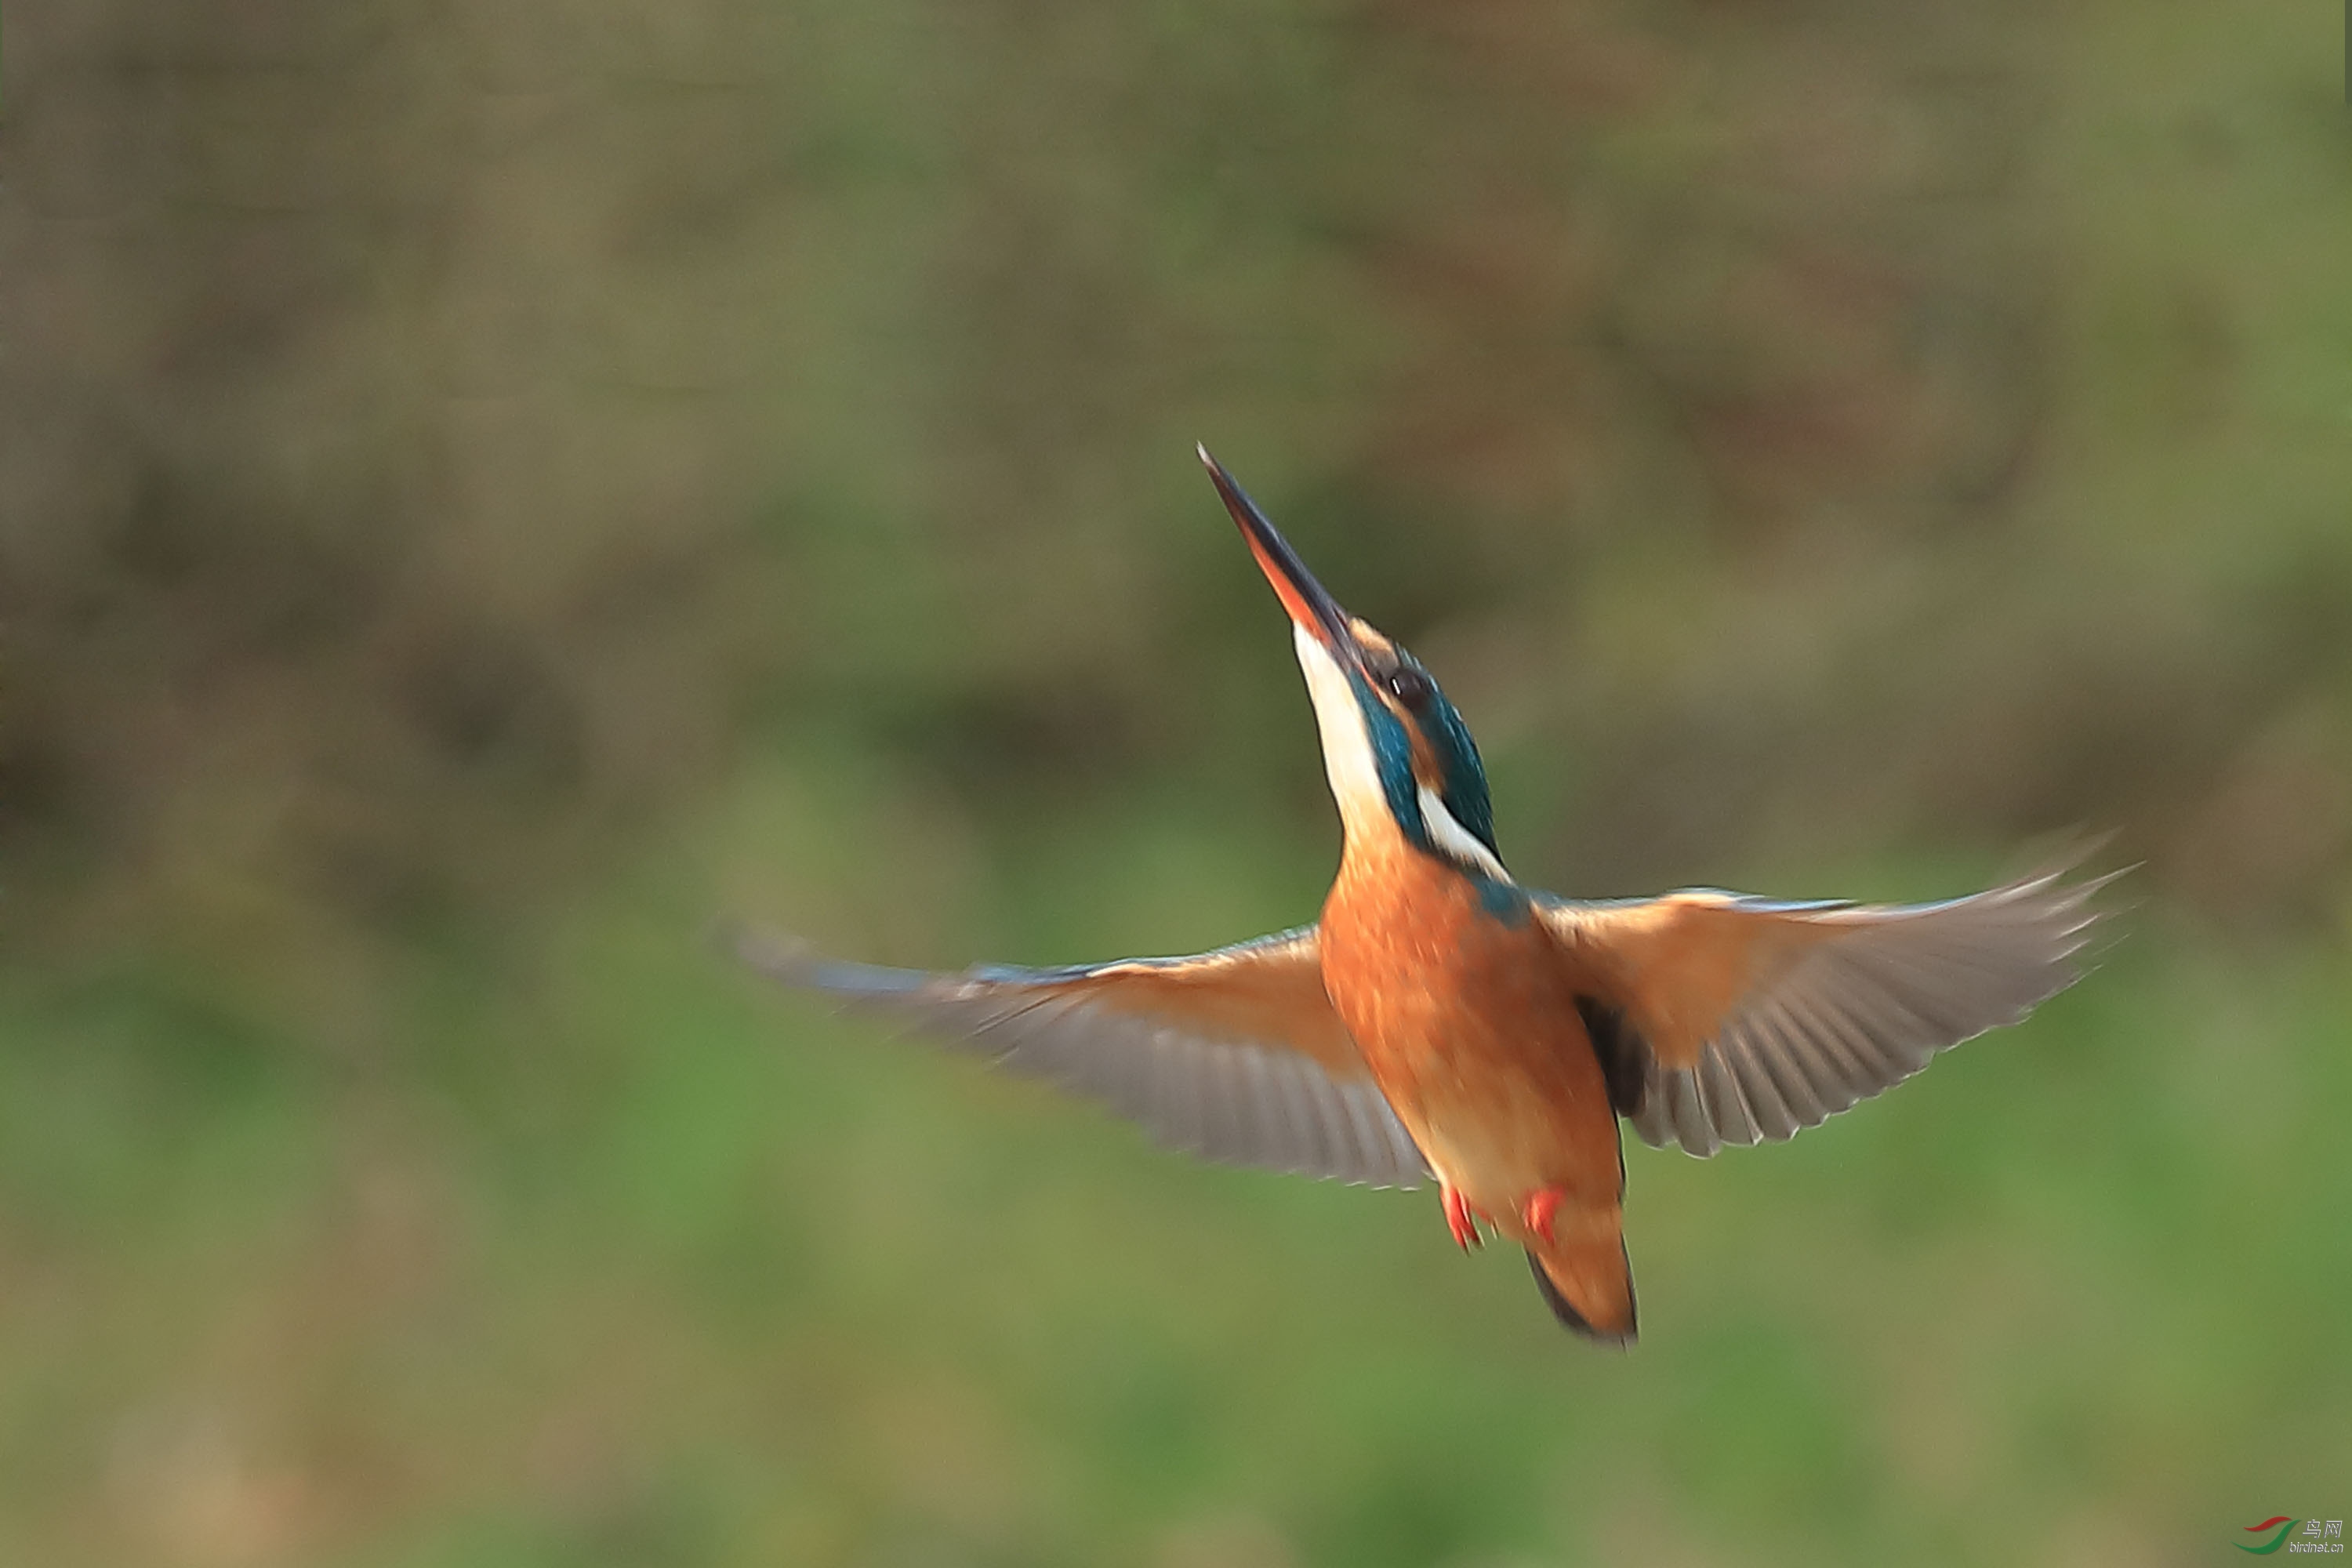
x=1232, y=1055
x=1738, y=1020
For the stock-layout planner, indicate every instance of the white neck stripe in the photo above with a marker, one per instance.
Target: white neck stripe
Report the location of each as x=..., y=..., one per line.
x=1456, y=841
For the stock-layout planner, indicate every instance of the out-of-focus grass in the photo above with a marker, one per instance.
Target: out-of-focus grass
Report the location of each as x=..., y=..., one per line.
x=488, y=490
x=644, y=1264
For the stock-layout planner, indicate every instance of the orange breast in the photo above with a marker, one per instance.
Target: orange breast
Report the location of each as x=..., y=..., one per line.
x=1468, y=1022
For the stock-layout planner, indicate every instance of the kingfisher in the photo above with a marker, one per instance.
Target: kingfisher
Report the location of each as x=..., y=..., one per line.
x=1442, y=1022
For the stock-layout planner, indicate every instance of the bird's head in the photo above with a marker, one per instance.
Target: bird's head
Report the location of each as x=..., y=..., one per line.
x=1399, y=757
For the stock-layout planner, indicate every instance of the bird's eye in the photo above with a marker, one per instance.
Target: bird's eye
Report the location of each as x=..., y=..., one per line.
x=1408, y=685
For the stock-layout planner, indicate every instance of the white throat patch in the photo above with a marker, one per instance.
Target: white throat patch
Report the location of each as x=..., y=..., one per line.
x=1348, y=759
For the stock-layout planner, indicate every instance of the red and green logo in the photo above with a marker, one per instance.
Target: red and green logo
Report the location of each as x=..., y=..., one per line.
x=2276, y=1529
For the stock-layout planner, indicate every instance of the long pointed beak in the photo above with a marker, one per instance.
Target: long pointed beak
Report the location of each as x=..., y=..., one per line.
x=1314, y=611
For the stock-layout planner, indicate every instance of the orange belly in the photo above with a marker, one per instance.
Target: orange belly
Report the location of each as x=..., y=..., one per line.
x=1468, y=1022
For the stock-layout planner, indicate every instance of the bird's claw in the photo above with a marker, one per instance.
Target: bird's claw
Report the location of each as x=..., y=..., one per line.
x=1542, y=1204
x=1462, y=1222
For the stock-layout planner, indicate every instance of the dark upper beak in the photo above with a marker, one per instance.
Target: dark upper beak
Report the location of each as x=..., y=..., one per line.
x=1310, y=607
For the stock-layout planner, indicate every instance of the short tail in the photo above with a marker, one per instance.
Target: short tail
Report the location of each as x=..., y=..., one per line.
x=1589, y=1286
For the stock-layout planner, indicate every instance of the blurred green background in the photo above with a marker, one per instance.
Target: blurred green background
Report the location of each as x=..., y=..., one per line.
x=489, y=487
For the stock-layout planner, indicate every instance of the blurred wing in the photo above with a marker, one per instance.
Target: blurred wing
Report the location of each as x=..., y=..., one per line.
x=1234, y=1055
x=1726, y=1020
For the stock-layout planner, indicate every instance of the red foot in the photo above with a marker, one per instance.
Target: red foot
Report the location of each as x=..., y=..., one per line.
x=1459, y=1220
x=1541, y=1206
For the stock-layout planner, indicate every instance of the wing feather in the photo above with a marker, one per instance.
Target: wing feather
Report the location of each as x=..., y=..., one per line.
x=1748, y=1020
x=1234, y=1055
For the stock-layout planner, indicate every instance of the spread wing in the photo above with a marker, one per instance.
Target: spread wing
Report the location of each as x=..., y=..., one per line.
x=1234, y=1055
x=1727, y=1019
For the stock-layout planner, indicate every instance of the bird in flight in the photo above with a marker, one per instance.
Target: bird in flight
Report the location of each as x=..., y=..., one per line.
x=1442, y=1022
